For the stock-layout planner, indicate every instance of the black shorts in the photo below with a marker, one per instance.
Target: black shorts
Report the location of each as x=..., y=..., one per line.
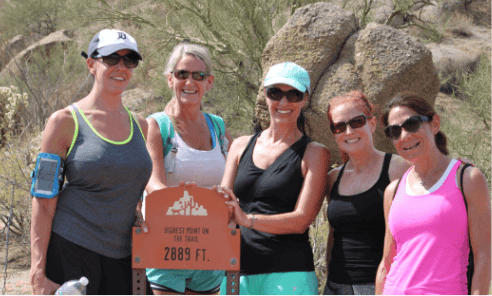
x=107, y=276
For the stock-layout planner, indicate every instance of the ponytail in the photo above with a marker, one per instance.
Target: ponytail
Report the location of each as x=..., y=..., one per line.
x=441, y=141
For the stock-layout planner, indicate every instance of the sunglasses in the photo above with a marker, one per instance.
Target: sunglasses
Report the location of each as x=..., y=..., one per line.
x=411, y=125
x=276, y=94
x=183, y=74
x=356, y=122
x=130, y=60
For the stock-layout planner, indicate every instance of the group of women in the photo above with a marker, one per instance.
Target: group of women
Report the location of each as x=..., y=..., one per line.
x=398, y=224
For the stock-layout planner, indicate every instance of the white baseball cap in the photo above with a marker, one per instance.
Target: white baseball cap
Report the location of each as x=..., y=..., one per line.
x=109, y=41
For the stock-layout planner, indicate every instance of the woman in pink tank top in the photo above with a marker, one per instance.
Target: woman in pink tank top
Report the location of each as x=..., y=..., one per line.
x=428, y=227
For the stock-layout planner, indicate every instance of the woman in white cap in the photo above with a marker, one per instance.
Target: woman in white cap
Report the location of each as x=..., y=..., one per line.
x=275, y=183
x=85, y=230
x=187, y=145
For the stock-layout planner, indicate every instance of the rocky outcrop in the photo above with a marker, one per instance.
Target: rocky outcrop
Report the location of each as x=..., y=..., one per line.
x=379, y=60
x=44, y=45
x=312, y=38
x=389, y=61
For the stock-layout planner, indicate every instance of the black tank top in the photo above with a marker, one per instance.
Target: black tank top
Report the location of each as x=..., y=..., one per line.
x=359, y=231
x=272, y=191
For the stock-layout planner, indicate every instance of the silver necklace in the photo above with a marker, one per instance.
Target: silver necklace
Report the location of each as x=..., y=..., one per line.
x=421, y=182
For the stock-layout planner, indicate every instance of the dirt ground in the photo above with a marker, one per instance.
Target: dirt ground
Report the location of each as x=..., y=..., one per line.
x=18, y=265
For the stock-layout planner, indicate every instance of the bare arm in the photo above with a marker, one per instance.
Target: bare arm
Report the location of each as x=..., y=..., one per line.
x=398, y=166
x=389, y=251
x=236, y=150
x=156, y=150
x=477, y=197
x=57, y=138
x=229, y=138
x=316, y=160
x=143, y=125
x=139, y=221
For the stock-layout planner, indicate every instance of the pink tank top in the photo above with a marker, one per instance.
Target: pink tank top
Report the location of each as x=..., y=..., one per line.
x=431, y=235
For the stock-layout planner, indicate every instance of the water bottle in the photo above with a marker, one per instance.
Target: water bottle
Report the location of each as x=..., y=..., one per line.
x=73, y=287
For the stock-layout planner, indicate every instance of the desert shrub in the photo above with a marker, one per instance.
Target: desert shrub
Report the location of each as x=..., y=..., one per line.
x=15, y=200
x=467, y=122
x=434, y=31
x=27, y=17
x=12, y=107
x=52, y=78
x=361, y=10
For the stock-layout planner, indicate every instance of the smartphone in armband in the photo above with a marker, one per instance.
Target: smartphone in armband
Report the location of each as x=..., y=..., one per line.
x=47, y=177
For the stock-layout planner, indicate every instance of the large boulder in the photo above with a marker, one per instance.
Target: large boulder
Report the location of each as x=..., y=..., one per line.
x=312, y=38
x=15, y=66
x=389, y=61
x=378, y=60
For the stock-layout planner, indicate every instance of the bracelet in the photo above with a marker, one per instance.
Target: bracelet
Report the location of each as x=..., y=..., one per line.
x=253, y=220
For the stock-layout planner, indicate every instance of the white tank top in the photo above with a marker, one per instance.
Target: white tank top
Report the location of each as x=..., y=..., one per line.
x=206, y=168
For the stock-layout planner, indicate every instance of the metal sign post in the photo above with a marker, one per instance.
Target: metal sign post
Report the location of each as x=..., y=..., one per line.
x=187, y=230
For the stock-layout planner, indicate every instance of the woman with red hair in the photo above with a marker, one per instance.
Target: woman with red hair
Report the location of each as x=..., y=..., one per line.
x=355, y=195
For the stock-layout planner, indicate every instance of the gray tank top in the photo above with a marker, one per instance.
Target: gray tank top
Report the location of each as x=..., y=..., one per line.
x=105, y=180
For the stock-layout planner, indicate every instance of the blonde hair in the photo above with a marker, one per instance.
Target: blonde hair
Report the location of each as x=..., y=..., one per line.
x=184, y=48
x=179, y=51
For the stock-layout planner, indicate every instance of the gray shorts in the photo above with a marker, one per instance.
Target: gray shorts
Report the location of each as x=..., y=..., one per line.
x=332, y=288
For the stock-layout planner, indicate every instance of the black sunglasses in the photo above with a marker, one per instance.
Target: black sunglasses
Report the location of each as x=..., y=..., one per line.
x=276, y=94
x=411, y=125
x=356, y=122
x=183, y=74
x=130, y=60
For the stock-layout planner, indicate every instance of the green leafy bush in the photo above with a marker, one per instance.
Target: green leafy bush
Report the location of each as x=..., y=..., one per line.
x=466, y=123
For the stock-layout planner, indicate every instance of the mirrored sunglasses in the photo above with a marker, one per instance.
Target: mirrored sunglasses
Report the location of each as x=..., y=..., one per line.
x=183, y=74
x=356, y=122
x=276, y=94
x=411, y=125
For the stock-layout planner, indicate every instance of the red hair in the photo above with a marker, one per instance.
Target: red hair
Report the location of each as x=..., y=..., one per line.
x=359, y=100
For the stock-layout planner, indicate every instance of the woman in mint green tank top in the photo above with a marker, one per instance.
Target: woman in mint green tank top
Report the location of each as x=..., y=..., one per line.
x=199, y=146
x=86, y=229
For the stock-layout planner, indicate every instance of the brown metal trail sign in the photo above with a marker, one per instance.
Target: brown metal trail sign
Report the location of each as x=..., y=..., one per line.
x=188, y=229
